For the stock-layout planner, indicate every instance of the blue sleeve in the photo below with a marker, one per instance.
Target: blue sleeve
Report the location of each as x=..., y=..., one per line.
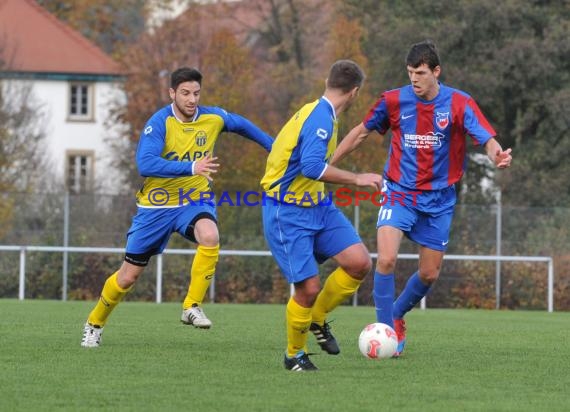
x=242, y=126
x=315, y=137
x=149, y=153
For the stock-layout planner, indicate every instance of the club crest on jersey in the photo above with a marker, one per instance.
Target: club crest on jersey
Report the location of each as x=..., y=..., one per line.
x=201, y=138
x=442, y=120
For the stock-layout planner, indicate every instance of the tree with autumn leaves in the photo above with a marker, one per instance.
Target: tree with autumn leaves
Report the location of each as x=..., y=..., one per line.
x=514, y=59
x=263, y=72
x=260, y=58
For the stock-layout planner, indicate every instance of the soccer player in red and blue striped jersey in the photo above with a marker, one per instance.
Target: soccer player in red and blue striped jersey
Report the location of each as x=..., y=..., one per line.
x=427, y=156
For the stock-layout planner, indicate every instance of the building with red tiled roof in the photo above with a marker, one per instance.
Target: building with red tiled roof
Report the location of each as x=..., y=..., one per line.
x=73, y=83
x=41, y=43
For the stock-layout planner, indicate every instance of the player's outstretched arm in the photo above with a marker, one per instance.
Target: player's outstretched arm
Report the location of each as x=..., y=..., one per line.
x=335, y=175
x=500, y=158
x=246, y=128
x=350, y=142
x=372, y=180
x=206, y=166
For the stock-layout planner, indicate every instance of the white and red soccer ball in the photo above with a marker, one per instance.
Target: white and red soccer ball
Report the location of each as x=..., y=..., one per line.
x=378, y=341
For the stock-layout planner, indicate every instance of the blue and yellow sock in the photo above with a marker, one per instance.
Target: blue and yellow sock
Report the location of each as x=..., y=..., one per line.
x=414, y=291
x=384, y=290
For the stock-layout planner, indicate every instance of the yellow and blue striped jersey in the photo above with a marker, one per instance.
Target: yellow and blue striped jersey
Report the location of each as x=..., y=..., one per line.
x=168, y=148
x=300, y=154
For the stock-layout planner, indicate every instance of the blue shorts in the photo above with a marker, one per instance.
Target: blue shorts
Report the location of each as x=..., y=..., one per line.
x=424, y=216
x=151, y=228
x=302, y=237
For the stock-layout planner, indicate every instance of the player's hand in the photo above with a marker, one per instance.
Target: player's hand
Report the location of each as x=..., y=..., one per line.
x=503, y=159
x=372, y=180
x=206, y=166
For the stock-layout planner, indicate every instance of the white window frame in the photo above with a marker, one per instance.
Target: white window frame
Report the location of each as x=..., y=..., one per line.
x=79, y=176
x=83, y=108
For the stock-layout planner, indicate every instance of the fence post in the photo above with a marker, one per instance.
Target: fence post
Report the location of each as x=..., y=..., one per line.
x=22, y=285
x=550, y=285
x=65, y=245
x=159, y=278
x=498, y=240
x=356, y=226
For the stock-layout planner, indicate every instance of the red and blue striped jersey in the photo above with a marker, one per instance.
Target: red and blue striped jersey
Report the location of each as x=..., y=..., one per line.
x=428, y=145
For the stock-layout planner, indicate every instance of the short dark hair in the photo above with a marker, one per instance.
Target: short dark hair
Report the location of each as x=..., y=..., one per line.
x=185, y=74
x=424, y=52
x=345, y=75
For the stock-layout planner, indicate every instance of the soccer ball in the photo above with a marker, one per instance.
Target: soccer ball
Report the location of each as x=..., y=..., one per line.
x=378, y=341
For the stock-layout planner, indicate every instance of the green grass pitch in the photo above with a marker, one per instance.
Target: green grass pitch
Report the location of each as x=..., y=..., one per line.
x=455, y=360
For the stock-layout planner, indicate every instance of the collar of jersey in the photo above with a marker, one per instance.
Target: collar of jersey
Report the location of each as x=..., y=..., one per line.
x=331, y=105
x=441, y=87
x=176, y=117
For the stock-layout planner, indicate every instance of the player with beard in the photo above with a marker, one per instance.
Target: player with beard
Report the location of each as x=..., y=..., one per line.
x=174, y=155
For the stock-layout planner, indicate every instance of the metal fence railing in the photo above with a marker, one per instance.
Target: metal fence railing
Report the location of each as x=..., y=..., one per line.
x=255, y=253
x=494, y=259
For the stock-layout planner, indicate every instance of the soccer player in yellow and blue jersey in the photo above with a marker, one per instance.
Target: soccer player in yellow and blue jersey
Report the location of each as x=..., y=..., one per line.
x=174, y=155
x=301, y=224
